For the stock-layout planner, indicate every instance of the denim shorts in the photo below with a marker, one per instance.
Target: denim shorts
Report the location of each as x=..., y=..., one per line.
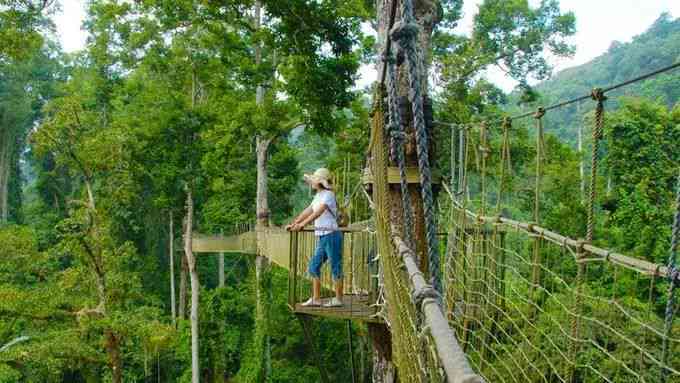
x=329, y=246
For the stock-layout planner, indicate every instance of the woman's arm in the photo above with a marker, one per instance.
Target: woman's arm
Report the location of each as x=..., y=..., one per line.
x=304, y=214
x=311, y=217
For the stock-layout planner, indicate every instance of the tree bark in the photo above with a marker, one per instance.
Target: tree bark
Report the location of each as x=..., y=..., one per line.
x=5, y=166
x=184, y=270
x=221, y=269
x=115, y=360
x=383, y=368
x=193, y=274
x=262, y=267
x=171, y=256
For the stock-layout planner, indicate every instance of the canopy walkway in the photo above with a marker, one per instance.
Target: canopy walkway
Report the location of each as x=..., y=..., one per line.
x=293, y=251
x=518, y=302
x=500, y=298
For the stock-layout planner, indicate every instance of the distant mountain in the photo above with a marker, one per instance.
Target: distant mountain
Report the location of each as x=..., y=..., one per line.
x=657, y=47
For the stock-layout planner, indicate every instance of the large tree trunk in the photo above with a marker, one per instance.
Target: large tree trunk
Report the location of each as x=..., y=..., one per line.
x=383, y=368
x=171, y=256
x=193, y=274
x=425, y=12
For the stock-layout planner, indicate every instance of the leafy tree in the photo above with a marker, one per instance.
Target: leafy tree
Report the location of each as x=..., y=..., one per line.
x=643, y=159
x=22, y=24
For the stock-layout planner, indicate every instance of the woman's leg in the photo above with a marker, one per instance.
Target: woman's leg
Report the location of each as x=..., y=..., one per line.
x=335, y=254
x=316, y=289
x=338, y=289
x=318, y=259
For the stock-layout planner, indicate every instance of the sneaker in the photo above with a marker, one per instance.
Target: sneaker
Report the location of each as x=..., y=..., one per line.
x=311, y=303
x=334, y=302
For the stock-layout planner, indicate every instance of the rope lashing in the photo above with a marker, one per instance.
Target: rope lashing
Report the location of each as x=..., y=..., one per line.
x=673, y=274
x=420, y=295
x=597, y=95
x=404, y=33
x=536, y=269
x=505, y=160
x=484, y=154
x=397, y=136
x=539, y=160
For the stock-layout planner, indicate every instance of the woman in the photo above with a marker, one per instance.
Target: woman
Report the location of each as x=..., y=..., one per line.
x=323, y=211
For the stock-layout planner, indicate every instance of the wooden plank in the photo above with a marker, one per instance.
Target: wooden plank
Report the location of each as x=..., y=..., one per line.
x=276, y=244
x=357, y=307
x=243, y=243
x=393, y=176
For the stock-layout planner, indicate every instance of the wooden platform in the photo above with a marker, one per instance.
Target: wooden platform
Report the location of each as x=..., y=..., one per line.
x=355, y=307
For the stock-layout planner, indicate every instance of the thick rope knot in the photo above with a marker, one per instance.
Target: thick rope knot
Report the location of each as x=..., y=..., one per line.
x=580, y=248
x=507, y=123
x=404, y=33
x=598, y=95
x=540, y=112
x=420, y=295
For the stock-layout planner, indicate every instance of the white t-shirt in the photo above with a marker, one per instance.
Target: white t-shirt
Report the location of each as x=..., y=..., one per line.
x=326, y=222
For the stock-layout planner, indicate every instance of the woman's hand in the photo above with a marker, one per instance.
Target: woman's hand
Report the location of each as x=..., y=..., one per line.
x=289, y=227
x=297, y=227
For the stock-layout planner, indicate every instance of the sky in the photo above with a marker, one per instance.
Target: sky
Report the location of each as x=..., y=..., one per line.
x=598, y=24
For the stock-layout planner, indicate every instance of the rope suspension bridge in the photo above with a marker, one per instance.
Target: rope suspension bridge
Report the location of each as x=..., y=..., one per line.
x=496, y=298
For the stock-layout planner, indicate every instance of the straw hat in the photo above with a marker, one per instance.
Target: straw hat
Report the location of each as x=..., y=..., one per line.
x=321, y=176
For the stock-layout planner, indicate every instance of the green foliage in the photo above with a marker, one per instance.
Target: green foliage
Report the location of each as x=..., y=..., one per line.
x=508, y=34
x=22, y=24
x=643, y=158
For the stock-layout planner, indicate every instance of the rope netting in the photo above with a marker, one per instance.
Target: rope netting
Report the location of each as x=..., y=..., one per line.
x=529, y=304
x=600, y=324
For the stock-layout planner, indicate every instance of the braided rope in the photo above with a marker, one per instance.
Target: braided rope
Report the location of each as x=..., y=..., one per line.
x=505, y=161
x=597, y=95
x=397, y=152
x=536, y=272
x=484, y=154
x=404, y=33
x=673, y=275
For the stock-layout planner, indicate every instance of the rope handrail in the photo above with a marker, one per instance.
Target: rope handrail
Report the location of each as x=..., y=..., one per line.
x=571, y=101
x=451, y=355
x=636, y=264
x=604, y=91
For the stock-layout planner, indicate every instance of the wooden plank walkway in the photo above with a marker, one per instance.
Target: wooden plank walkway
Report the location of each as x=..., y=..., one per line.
x=355, y=307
